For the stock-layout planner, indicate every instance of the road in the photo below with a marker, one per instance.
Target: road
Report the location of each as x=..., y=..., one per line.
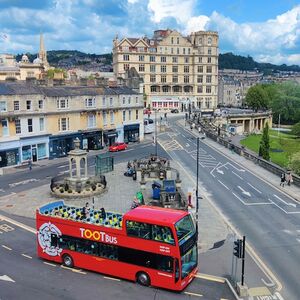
x=269, y=218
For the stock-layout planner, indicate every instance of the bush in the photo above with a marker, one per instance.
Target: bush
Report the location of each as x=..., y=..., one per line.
x=66, y=187
x=70, y=191
x=87, y=189
x=88, y=182
x=61, y=190
x=295, y=163
x=93, y=186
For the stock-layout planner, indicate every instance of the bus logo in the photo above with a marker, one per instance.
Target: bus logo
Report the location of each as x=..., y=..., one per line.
x=45, y=233
x=98, y=235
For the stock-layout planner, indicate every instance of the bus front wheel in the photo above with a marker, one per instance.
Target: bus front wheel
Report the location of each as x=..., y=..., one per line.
x=68, y=261
x=143, y=279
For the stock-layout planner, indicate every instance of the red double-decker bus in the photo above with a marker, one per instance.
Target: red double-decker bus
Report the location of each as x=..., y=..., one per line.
x=151, y=245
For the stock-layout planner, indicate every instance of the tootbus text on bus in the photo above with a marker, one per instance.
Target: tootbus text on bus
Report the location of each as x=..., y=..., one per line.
x=150, y=245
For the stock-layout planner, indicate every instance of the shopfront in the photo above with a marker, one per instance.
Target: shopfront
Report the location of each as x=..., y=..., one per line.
x=131, y=133
x=60, y=145
x=92, y=140
x=109, y=137
x=35, y=148
x=9, y=153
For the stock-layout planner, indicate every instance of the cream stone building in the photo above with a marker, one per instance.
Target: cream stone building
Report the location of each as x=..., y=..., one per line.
x=178, y=72
x=38, y=122
x=13, y=70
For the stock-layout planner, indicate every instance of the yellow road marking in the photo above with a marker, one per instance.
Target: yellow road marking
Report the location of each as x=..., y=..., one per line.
x=6, y=247
x=28, y=228
x=111, y=278
x=193, y=294
x=210, y=277
x=25, y=255
x=49, y=264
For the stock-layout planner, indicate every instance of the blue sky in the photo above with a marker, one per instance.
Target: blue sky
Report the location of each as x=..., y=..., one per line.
x=268, y=30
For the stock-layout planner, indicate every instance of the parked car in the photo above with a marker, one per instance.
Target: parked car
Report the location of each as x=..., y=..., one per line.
x=174, y=111
x=117, y=147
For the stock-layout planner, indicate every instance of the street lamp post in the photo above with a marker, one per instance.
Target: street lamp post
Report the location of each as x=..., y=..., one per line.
x=197, y=182
x=155, y=132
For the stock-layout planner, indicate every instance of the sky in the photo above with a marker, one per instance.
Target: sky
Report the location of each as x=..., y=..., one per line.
x=267, y=30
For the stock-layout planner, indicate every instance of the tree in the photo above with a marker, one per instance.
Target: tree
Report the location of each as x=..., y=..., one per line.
x=296, y=129
x=295, y=163
x=265, y=143
x=257, y=97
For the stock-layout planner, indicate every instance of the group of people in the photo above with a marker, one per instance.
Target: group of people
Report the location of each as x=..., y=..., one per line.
x=286, y=179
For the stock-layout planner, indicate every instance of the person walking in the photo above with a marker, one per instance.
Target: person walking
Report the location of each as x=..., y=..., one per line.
x=289, y=178
x=30, y=165
x=282, y=179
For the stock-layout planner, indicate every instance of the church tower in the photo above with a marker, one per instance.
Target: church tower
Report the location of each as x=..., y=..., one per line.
x=42, y=53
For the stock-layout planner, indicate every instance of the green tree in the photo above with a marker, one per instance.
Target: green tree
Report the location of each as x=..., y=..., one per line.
x=296, y=129
x=265, y=143
x=257, y=97
x=295, y=163
x=51, y=72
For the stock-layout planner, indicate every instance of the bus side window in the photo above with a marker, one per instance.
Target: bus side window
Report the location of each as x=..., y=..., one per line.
x=177, y=274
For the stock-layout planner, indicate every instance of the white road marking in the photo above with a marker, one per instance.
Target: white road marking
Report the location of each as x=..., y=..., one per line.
x=111, y=278
x=1, y=190
x=187, y=145
x=63, y=166
x=7, y=248
x=239, y=198
x=23, y=182
x=237, y=175
x=287, y=212
x=286, y=203
x=254, y=187
x=244, y=192
x=193, y=294
x=23, y=226
x=220, y=171
x=223, y=184
x=279, y=296
x=6, y=278
x=25, y=255
x=298, y=240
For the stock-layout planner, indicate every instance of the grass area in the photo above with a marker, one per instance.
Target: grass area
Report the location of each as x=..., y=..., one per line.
x=286, y=142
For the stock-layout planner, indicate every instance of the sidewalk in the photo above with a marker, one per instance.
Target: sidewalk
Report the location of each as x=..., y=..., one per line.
x=265, y=175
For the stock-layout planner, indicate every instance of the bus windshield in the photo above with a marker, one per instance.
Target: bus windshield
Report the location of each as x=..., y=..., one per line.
x=185, y=228
x=189, y=261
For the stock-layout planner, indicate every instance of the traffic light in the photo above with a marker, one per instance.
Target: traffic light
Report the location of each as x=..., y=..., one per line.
x=237, y=249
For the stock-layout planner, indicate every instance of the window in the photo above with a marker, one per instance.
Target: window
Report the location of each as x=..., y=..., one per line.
x=124, y=115
x=172, y=40
x=28, y=104
x=165, y=89
x=42, y=124
x=183, y=50
x=153, y=88
x=163, y=59
x=111, y=101
x=163, y=78
x=163, y=68
x=200, y=41
x=175, y=69
x=136, y=114
x=200, y=89
x=62, y=103
x=172, y=50
x=209, y=60
x=104, y=118
x=186, y=69
x=129, y=100
x=177, y=50
x=142, y=68
x=141, y=57
x=126, y=57
x=29, y=125
x=186, y=60
x=189, y=50
x=18, y=126
x=177, y=40
x=5, y=131
x=152, y=78
x=90, y=102
x=186, y=79
x=208, y=78
x=200, y=69
x=152, y=68
x=91, y=121
x=208, y=89
x=136, y=99
x=63, y=124
x=129, y=115
x=199, y=78
x=103, y=101
x=200, y=59
x=126, y=67
x=176, y=89
x=140, y=49
x=16, y=105
x=174, y=59
x=41, y=104
x=175, y=79
x=209, y=51
x=209, y=41
x=112, y=117
x=208, y=69
x=123, y=100
x=125, y=48
x=152, y=50
x=152, y=58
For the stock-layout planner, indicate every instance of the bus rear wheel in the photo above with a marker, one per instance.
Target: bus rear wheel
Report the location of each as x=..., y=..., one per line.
x=68, y=261
x=143, y=279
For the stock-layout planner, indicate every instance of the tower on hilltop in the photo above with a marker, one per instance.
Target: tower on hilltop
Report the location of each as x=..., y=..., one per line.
x=42, y=53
